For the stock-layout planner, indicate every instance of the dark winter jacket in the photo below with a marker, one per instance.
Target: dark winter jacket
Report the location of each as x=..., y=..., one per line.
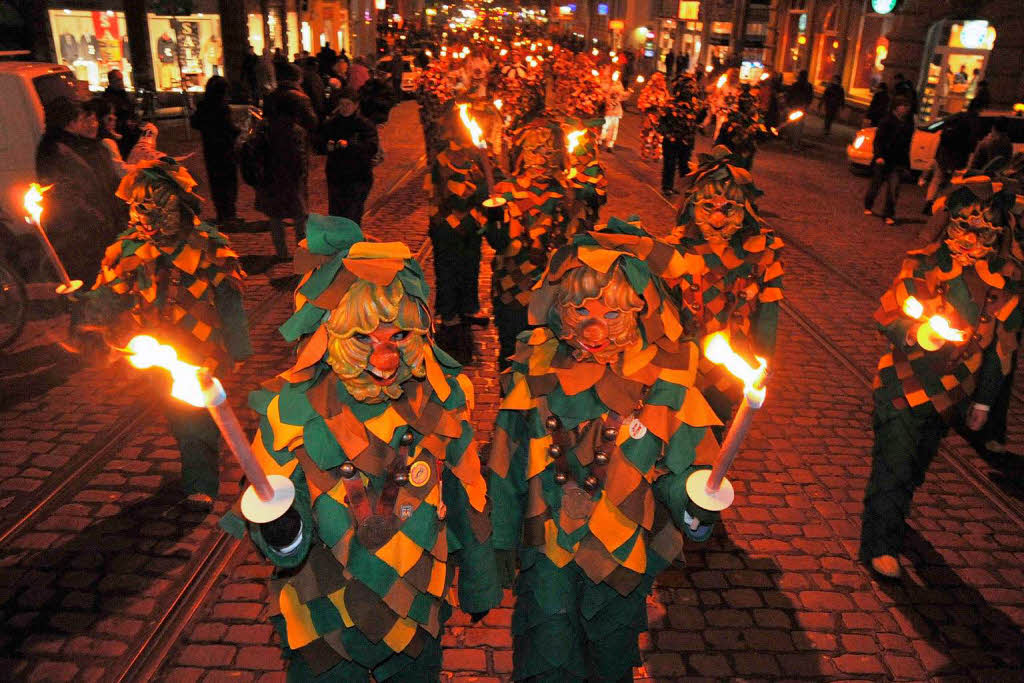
x=290, y=122
x=800, y=95
x=352, y=161
x=878, y=107
x=993, y=146
x=834, y=97
x=82, y=214
x=376, y=98
x=213, y=121
x=892, y=141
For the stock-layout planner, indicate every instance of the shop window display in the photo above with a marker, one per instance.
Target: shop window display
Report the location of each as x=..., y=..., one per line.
x=186, y=50
x=872, y=49
x=91, y=44
x=956, y=56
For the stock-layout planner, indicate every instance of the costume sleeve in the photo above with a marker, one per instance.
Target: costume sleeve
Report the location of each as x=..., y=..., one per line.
x=990, y=377
x=228, y=300
x=507, y=479
x=892, y=322
x=766, y=325
x=369, y=142
x=679, y=460
x=470, y=539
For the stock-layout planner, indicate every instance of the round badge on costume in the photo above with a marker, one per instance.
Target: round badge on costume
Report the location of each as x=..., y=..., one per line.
x=637, y=429
x=419, y=473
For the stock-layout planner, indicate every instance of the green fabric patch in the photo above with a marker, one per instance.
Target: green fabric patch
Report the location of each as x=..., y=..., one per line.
x=422, y=526
x=321, y=445
x=332, y=520
x=331, y=234
x=667, y=394
x=304, y=321
x=324, y=615
x=377, y=574
x=643, y=452
x=419, y=611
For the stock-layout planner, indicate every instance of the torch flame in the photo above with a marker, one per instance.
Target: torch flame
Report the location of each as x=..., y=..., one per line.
x=573, y=139
x=147, y=352
x=913, y=307
x=765, y=76
x=593, y=72
x=34, y=200
x=497, y=104
x=472, y=126
x=615, y=76
x=945, y=330
x=721, y=81
x=796, y=116
x=639, y=79
x=718, y=351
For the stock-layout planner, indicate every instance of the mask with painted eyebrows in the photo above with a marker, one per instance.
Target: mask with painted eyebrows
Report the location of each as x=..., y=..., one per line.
x=376, y=340
x=599, y=314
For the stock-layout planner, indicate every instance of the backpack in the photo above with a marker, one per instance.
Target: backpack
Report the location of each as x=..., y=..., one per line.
x=252, y=156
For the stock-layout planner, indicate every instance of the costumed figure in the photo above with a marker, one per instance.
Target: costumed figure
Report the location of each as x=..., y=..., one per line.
x=576, y=89
x=519, y=88
x=177, y=279
x=653, y=99
x=372, y=426
x=678, y=125
x=459, y=185
x=953, y=318
x=743, y=128
x=598, y=431
x=732, y=271
x=435, y=93
x=541, y=210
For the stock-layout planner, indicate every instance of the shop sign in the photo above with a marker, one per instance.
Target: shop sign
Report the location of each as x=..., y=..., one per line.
x=602, y=9
x=883, y=6
x=974, y=35
x=616, y=24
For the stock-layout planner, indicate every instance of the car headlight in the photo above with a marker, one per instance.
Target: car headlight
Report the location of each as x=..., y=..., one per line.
x=858, y=142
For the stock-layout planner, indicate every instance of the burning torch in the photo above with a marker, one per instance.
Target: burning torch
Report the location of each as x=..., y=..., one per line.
x=933, y=332
x=268, y=497
x=793, y=117
x=34, y=206
x=709, y=489
x=494, y=207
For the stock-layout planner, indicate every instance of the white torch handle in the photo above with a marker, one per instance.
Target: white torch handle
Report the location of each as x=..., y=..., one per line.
x=227, y=423
x=733, y=440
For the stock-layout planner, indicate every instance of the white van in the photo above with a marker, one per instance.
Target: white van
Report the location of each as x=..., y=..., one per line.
x=27, y=87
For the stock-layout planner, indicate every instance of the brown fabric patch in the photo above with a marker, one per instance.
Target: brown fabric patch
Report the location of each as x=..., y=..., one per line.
x=635, y=504
x=319, y=656
x=619, y=394
x=400, y=597
x=533, y=530
x=419, y=576
x=623, y=580
x=373, y=618
x=541, y=385
x=594, y=560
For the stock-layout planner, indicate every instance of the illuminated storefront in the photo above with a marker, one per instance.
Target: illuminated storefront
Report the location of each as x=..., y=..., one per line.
x=186, y=50
x=795, y=51
x=91, y=43
x=827, y=53
x=958, y=53
x=869, y=57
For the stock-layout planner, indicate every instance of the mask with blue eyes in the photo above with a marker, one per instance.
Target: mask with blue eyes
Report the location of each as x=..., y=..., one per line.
x=600, y=328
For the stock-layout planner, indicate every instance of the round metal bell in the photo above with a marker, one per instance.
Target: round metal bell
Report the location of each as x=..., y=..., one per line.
x=552, y=423
x=347, y=470
x=401, y=477
x=561, y=478
x=976, y=336
x=601, y=458
x=694, y=287
x=991, y=297
x=554, y=450
x=941, y=288
x=590, y=483
x=609, y=433
x=984, y=318
x=743, y=295
x=407, y=438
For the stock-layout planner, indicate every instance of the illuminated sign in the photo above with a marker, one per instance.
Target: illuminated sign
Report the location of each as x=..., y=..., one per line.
x=616, y=24
x=688, y=11
x=883, y=6
x=973, y=34
x=602, y=9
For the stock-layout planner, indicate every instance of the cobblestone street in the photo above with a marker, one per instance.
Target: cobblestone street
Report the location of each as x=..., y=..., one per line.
x=102, y=573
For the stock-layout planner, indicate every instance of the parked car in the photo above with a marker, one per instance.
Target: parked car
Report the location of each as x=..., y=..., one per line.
x=410, y=72
x=926, y=140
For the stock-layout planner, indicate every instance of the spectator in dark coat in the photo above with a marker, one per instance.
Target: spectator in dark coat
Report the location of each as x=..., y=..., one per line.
x=670, y=65
x=350, y=143
x=213, y=121
x=313, y=86
x=290, y=122
x=995, y=145
x=891, y=158
x=901, y=87
x=832, y=101
x=326, y=58
x=879, y=105
x=254, y=75
x=982, y=96
x=83, y=215
x=397, y=68
x=799, y=96
x=124, y=108
x=951, y=155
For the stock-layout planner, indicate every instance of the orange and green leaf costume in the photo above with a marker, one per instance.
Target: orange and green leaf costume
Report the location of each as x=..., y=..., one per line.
x=347, y=608
x=589, y=465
